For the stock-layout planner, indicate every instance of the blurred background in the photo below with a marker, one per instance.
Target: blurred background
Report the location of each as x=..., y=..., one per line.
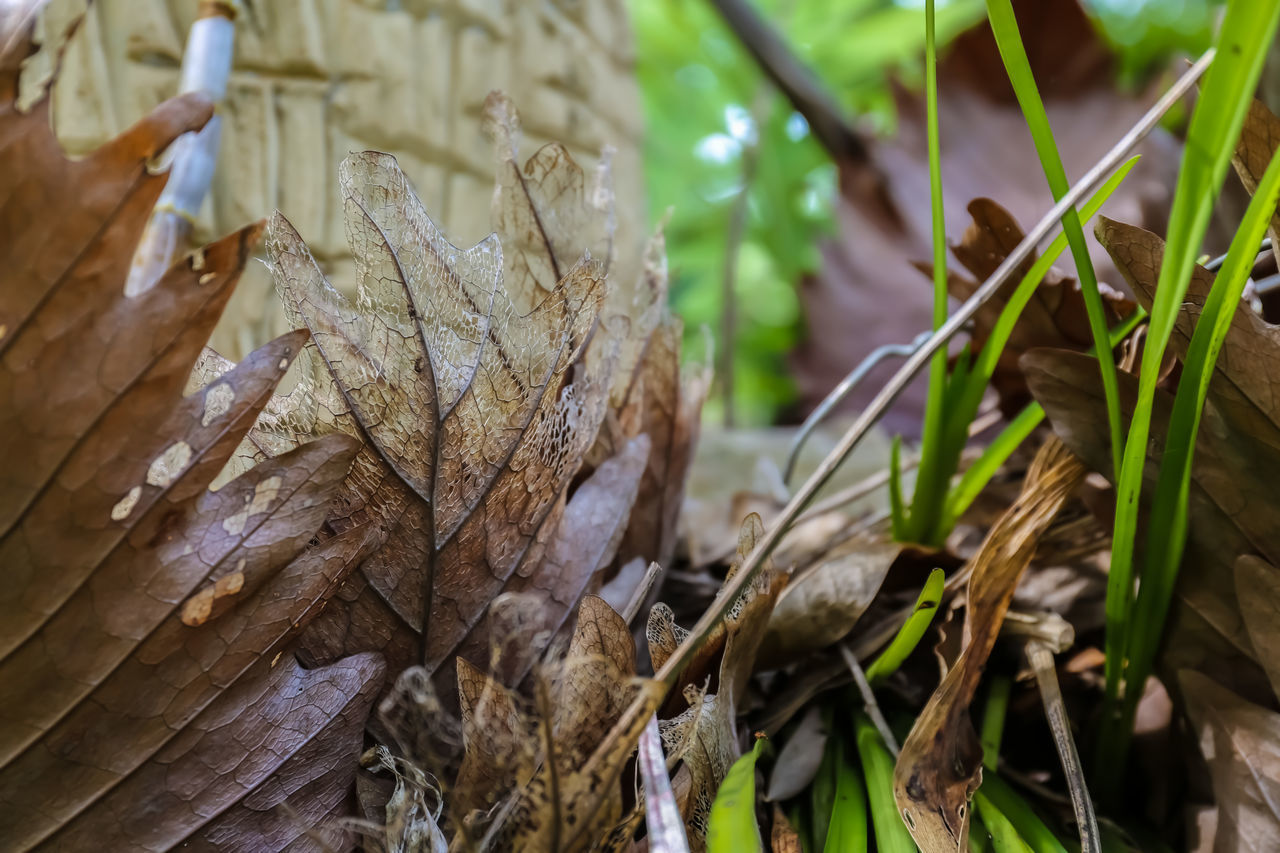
x=821, y=272
x=780, y=143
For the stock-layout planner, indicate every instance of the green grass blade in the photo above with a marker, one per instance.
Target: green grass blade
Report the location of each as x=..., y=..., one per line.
x=877, y=763
x=908, y=636
x=975, y=479
x=897, y=511
x=993, y=714
x=822, y=793
x=1009, y=41
x=799, y=817
x=1030, y=828
x=1168, y=523
x=731, y=827
x=1004, y=837
x=1247, y=30
x=848, y=828
x=926, y=501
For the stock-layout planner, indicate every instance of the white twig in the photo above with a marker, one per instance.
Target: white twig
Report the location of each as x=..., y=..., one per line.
x=1041, y=659
x=206, y=65
x=661, y=814
x=869, y=699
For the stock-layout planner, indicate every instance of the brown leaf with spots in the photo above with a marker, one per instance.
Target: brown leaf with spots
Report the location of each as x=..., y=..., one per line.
x=940, y=765
x=149, y=697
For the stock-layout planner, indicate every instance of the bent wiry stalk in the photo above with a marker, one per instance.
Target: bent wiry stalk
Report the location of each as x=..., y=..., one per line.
x=1041, y=659
x=1048, y=224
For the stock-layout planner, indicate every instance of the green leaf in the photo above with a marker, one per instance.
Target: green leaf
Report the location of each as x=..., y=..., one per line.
x=732, y=825
x=1004, y=26
x=908, y=636
x=877, y=764
x=1248, y=28
x=847, y=832
x=1004, y=837
x=1004, y=800
x=822, y=793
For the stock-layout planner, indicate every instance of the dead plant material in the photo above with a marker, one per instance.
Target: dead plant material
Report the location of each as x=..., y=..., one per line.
x=940, y=765
x=151, y=698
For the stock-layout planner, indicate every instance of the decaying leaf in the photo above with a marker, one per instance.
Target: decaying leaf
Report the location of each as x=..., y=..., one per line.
x=940, y=765
x=704, y=736
x=821, y=604
x=476, y=382
x=1258, y=589
x=1259, y=139
x=574, y=796
x=150, y=697
x=1241, y=742
x=1236, y=463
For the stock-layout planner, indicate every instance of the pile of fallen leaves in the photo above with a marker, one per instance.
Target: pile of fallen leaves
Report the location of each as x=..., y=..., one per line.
x=433, y=596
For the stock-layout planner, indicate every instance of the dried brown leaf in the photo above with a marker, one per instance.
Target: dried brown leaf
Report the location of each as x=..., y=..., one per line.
x=575, y=795
x=1205, y=631
x=1055, y=316
x=1241, y=742
x=940, y=765
x=476, y=381
x=1258, y=588
x=704, y=736
x=822, y=604
x=1258, y=141
x=150, y=696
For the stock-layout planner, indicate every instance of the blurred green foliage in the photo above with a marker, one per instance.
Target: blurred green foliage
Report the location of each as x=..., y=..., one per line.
x=706, y=103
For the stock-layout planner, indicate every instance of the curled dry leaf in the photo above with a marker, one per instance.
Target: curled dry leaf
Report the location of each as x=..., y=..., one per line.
x=149, y=695
x=940, y=765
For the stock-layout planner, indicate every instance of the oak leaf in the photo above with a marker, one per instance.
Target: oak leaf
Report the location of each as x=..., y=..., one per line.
x=150, y=697
x=476, y=382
